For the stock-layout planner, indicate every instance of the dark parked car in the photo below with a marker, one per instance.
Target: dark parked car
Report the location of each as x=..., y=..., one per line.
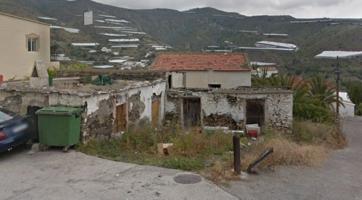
x=14, y=130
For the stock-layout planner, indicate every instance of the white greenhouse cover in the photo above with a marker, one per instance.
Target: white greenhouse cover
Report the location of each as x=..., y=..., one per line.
x=339, y=54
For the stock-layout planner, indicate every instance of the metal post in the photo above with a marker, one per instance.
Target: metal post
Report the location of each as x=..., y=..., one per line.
x=338, y=77
x=237, y=161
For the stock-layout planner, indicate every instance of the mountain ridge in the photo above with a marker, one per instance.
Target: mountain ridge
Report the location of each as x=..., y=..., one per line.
x=209, y=26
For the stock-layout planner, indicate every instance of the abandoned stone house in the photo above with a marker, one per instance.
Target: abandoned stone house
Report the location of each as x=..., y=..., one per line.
x=150, y=96
x=214, y=89
x=232, y=108
x=108, y=110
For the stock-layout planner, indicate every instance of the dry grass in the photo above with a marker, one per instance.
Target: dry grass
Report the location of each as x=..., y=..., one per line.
x=194, y=144
x=192, y=150
x=211, y=154
x=286, y=152
x=220, y=172
x=319, y=134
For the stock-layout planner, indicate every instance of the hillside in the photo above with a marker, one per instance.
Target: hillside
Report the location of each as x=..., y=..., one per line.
x=196, y=29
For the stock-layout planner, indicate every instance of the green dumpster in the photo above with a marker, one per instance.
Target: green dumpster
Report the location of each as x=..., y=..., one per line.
x=59, y=126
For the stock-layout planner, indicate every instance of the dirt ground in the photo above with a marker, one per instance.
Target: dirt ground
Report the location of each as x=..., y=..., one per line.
x=339, y=178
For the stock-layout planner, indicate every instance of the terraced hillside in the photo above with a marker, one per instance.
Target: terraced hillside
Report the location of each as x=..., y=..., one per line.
x=199, y=28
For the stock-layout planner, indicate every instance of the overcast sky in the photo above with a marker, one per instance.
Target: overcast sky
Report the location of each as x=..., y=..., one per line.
x=297, y=8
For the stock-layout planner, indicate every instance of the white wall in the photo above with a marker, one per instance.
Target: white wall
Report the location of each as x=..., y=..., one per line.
x=348, y=110
x=219, y=105
x=228, y=80
x=15, y=60
x=146, y=98
x=177, y=79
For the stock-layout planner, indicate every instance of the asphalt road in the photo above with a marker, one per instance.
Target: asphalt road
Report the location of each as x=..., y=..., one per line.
x=340, y=178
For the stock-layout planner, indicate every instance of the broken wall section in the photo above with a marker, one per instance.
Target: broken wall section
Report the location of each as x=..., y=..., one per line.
x=229, y=108
x=100, y=116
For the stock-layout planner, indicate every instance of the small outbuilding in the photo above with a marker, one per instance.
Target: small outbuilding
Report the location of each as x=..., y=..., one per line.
x=204, y=70
x=348, y=107
x=108, y=109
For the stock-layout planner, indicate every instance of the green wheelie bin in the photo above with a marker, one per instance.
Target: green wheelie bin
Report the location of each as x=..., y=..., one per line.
x=59, y=126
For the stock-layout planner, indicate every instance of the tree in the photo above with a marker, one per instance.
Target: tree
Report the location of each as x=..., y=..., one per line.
x=354, y=89
x=312, y=100
x=322, y=92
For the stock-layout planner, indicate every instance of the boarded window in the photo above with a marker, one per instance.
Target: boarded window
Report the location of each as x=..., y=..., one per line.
x=155, y=111
x=192, y=112
x=121, y=118
x=255, y=112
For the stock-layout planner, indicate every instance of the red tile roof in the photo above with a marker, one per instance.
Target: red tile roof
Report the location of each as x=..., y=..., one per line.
x=173, y=61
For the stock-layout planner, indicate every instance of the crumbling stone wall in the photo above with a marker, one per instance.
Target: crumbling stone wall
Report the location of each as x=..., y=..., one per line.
x=173, y=108
x=115, y=74
x=12, y=103
x=222, y=120
x=136, y=107
x=18, y=102
x=100, y=113
x=279, y=109
x=100, y=122
x=228, y=108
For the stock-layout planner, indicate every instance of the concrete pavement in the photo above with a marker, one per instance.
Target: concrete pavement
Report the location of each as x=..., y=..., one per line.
x=55, y=175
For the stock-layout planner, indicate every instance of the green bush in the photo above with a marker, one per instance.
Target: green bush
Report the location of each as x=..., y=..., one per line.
x=318, y=133
x=354, y=89
x=313, y=98
x=139, y=145
x=359, y=109
x=183, y=163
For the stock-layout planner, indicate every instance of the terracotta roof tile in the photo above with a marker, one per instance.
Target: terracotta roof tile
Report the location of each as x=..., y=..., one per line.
x=172, y=61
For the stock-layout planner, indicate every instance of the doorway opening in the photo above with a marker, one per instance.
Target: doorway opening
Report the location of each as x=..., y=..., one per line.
x=33, y=122
x=169, y=81
x=121, y=118
x=192, y=112
x=156, y=102
x=255, y=113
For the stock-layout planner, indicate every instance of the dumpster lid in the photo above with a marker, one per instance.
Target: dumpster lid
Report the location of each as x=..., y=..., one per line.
x=60, y=110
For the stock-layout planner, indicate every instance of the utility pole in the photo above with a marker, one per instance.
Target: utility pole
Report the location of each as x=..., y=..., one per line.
x=338, y=79
x=237, y=159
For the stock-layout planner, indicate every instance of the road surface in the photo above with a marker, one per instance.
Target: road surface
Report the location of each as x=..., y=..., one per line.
x=340, y=178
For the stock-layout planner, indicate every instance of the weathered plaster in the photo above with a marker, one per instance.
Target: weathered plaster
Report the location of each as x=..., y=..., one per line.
x=99, y=115
x=229, y=106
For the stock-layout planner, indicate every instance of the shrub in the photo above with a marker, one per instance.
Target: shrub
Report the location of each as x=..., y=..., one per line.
x=313, y=98
x=359, y=109
x=183, y=163
x=194, y=143
x=319, y=134
x=286, y=152
x=354, y=89
x=139, y=145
